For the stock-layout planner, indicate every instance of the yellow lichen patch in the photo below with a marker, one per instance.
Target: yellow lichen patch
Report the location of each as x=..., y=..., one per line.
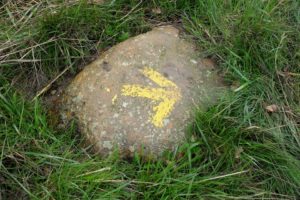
x=167, y=96
x=113, y=101
x=107, y=89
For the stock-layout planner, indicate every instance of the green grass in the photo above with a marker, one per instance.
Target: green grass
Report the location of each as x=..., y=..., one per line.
x=237, y=149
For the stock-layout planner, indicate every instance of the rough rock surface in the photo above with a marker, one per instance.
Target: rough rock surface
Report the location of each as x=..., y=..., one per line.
x=139, y=95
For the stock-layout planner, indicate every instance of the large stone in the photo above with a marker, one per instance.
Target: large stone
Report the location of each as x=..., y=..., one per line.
x=139, y=95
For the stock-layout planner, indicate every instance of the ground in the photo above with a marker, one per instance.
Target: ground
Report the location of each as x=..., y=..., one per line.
x=244, y=147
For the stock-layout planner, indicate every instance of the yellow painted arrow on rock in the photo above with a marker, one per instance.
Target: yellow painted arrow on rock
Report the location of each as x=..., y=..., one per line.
x=167, y=95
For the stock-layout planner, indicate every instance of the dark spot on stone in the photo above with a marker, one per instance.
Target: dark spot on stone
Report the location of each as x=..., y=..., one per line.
x=190, y=79
x=166, y=75
x=106, y=66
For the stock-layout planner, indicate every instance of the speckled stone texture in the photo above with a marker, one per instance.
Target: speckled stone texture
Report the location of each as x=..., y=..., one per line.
x=110, y=120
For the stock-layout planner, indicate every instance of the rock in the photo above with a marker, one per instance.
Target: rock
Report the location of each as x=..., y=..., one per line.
x=139, y=95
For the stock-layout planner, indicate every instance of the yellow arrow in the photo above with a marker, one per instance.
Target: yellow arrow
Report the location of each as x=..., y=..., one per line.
x=167, y=98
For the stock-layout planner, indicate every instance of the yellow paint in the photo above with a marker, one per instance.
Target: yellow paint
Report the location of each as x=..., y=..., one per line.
x=113, y=101
x=167, y=95
x=157, y=78
x=107, y=89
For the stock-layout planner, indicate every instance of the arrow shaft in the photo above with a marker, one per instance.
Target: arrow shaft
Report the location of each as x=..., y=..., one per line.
x=156, y=94
x=158, y=78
